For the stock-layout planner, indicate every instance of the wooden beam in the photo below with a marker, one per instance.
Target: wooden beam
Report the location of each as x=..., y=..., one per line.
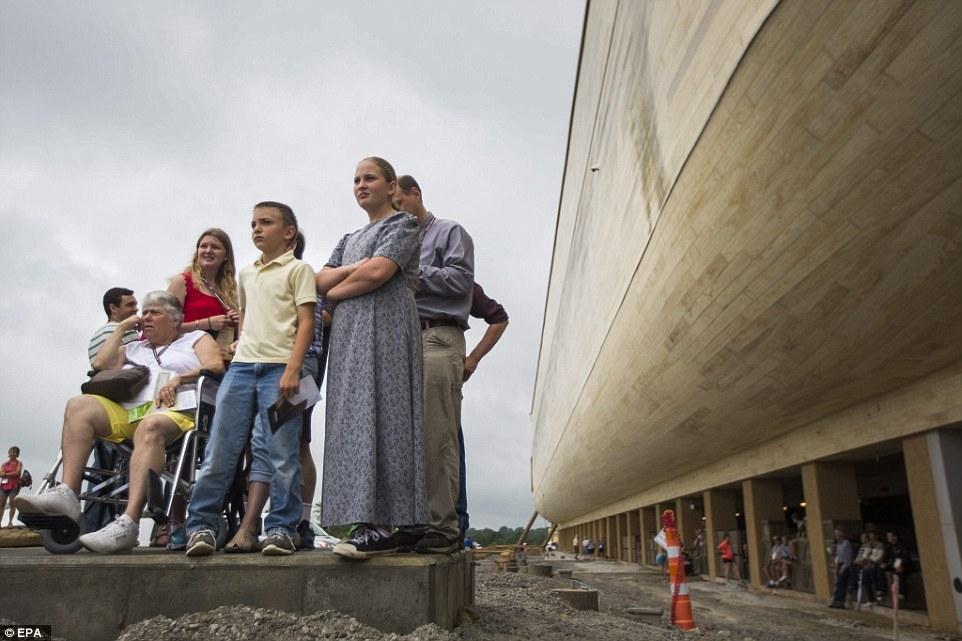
x=527, y=528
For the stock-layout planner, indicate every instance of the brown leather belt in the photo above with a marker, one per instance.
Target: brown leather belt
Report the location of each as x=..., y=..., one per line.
x=427, y=323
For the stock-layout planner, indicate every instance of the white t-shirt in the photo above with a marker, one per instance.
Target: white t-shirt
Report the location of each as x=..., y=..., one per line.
x=178, y=358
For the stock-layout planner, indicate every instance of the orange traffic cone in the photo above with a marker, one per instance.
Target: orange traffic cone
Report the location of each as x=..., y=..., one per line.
x=680, y=600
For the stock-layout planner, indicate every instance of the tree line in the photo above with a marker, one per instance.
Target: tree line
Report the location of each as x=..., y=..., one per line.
x=507, y=536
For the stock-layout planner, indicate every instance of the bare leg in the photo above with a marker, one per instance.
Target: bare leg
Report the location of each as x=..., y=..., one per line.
x=84, y=419
x=152, y=435
x=308, y=473
x=13, y=511
x=257, y=495
x=3, y=504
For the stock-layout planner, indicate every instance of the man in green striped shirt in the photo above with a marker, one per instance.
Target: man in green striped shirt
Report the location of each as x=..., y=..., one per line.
x=119, y=305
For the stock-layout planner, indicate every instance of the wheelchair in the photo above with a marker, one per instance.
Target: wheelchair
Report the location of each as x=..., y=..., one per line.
x=106, y=479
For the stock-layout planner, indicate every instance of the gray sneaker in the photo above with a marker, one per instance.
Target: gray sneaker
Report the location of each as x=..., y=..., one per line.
x=278, y=543
x=118, y=536
x=54, y=501
x=201, y=543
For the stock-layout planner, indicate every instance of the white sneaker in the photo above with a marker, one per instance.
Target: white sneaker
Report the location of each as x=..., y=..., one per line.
x=53, y=501
x=119, y=536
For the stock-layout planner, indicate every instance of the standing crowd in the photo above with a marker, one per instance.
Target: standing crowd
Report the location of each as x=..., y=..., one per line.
x=384, y=318
x=872, y=570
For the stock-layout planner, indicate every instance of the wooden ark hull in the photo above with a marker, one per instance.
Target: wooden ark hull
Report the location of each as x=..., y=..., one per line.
x=758, y=249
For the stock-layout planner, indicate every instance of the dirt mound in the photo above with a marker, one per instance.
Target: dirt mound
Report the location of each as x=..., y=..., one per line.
x=242, y=623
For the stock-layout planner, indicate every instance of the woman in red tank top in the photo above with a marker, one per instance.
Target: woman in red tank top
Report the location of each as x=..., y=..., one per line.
x=208, y=291
x=207, y=288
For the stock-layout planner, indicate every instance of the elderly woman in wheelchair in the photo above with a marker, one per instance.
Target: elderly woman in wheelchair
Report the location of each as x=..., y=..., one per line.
x=154, y=419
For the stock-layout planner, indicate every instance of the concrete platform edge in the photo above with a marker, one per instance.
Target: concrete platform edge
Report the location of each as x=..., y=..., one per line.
x=85, y=597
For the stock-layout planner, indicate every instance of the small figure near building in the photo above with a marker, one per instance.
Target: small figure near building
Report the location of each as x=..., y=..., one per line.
x=10, y=473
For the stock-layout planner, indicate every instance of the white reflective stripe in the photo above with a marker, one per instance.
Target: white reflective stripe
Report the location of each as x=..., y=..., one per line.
x=673, y=552
x=679, y=590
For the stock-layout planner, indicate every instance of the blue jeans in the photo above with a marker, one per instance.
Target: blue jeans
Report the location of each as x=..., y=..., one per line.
x=461, y=507
x=246, y=392
x=841, y=584
x=262, y=469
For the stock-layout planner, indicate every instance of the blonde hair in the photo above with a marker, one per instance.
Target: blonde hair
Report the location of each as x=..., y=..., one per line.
x=225, y=282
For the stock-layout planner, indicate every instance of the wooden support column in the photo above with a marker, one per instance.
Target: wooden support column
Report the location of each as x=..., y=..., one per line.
x=551, y=531
x=831, y=495
x=615, y=524
x=607, y=537
x=629, y=517
x=618, y=547
x=646, y=518
x=625, y=543
x=689, y=520
x=626, y=536
x=763, y=502
x=599, y=535
x=605, y=531
x=720, y=508
x=933, y=467
x=660, y=511
x=600, y=525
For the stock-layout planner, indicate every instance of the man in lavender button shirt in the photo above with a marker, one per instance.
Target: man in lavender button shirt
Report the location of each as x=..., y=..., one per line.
x=444, y=296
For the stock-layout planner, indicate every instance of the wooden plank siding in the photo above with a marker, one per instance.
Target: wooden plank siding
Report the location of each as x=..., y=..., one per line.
x=773, y=235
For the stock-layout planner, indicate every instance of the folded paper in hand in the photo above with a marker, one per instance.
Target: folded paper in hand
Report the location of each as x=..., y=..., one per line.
x=285, y=409
x=186, y=394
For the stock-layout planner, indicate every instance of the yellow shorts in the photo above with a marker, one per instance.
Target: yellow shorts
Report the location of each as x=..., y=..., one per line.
x=122, y=429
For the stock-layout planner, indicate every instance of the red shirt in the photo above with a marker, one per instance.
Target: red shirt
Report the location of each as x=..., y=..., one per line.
x=726, y=550
x=197, y=304
x=10, y=468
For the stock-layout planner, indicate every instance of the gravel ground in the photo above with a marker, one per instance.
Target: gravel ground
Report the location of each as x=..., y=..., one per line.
x=516, y=607
x=242, y=623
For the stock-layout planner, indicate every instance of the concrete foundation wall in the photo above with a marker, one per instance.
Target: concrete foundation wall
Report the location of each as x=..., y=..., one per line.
x=91, y=598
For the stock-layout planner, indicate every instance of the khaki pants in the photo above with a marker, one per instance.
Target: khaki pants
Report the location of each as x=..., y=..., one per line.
x=443, y=373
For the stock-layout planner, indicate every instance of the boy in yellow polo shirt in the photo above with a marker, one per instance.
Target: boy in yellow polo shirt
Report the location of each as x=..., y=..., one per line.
x=277, y=295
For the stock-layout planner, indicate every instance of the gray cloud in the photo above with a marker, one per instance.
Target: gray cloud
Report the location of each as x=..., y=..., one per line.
x=127, y=129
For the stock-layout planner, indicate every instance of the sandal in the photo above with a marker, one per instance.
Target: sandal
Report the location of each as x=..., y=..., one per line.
x=242, y=543
x=160, y=536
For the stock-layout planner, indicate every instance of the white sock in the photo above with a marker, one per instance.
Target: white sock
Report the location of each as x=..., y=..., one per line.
x=306, y=512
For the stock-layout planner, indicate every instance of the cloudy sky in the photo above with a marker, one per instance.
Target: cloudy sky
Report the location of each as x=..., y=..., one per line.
x=127, y=128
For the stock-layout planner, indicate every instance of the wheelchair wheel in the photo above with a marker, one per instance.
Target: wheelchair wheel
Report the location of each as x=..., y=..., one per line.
x=64, y=538
x=61, y=540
